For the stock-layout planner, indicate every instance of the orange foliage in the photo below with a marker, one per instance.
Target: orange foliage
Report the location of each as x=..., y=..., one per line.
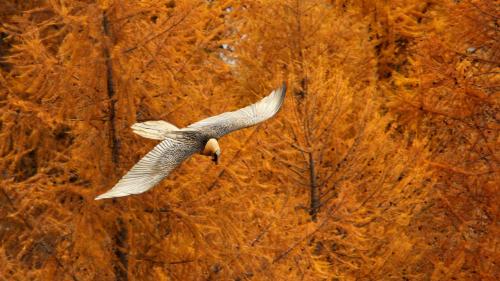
x=382, y=164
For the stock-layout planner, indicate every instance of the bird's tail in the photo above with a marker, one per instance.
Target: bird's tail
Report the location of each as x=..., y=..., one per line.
x=156, y=130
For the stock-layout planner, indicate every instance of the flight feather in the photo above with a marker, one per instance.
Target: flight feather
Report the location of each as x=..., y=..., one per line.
x=179, y=144
x=253, y=114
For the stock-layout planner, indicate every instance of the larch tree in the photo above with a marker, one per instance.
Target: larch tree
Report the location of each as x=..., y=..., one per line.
x=439, y=73
x=382, y=163
x=321, y=175
x=76, y=75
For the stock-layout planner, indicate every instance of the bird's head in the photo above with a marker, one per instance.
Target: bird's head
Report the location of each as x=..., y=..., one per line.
x=212, y=149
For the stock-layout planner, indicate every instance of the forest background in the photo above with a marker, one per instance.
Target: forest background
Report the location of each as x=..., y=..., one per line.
x=383, y=163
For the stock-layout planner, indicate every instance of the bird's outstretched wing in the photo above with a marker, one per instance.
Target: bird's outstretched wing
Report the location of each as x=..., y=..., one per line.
x=152, y=168
x=222, y=124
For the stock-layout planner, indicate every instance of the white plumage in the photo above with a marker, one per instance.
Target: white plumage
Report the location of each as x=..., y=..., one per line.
x=153, y=129
x=179, y=144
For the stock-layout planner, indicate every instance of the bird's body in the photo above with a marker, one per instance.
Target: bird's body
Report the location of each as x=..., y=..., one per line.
x=179, y=144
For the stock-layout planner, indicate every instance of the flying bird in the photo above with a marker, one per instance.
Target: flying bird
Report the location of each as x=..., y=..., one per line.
x=179, y=144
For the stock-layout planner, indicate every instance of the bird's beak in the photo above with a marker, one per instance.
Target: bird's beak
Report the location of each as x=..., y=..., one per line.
x=215, y=156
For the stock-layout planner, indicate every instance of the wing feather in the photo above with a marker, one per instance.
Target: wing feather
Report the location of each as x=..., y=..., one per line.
x=151, y=169
x=253, y=114
x=156, y=130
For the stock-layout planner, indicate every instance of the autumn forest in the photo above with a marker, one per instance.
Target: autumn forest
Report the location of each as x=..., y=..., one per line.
x=382, y=164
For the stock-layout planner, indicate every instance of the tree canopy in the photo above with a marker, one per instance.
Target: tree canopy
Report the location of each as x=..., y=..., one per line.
x=383, y=163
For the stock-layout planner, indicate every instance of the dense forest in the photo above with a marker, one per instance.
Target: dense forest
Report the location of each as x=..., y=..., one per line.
x=383, y=163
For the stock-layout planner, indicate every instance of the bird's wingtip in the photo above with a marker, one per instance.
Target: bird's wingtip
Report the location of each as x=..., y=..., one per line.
x=100, y=197
x=107, y=195
x=113, y=194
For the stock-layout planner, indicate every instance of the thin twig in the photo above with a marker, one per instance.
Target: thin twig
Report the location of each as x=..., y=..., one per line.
x=162, y=32
x=313, y=211
x=114, y=143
